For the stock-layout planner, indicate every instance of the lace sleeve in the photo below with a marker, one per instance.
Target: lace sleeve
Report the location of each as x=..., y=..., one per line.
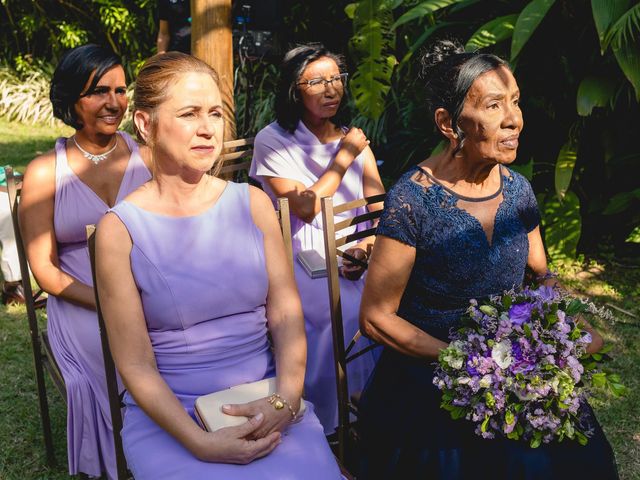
x=529, y=212
x=398, y=218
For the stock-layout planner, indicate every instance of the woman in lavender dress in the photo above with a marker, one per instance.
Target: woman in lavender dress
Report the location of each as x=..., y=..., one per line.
x=64, y=190
x=192, y=273
x=306, y=155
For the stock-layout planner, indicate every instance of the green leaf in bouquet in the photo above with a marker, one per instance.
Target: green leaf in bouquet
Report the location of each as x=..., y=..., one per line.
x=509, y=417
x=458, y=412
x=551, y=319
x=489, y=310
x=618, y=389
x=527, y=330
x=599, y=379
x=518, y=408
x=485, y=423
x=606, y=348
x=575, y=334
x=513, y=435
x=575, y=307
x=582, y=438
x=506, y=301
x=597, y=357
x=536, y=440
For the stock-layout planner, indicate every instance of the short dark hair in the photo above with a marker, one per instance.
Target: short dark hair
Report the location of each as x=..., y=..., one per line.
x=289, y=106
x=71, y=75
x=449, y=71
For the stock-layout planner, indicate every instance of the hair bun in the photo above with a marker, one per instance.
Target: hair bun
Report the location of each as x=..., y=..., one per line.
x=438, y=52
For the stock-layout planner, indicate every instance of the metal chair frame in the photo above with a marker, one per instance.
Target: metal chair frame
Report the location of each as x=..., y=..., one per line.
x=343, y=355
x=42, y=354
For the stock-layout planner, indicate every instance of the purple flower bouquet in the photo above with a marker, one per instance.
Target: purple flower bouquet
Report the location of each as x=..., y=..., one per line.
x=518, y=367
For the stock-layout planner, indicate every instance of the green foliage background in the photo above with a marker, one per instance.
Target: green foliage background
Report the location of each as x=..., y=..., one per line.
x=577, y=63
x=578, y=67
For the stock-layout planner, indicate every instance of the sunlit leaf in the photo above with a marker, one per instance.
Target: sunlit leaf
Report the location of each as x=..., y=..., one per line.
x=527, y=22
x=562, y=225
x=594, y=92
x=372, y=46
x=492, y=32
x=565, y=163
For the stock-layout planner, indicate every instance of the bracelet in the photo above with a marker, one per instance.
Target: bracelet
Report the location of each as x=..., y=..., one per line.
x=279, y=403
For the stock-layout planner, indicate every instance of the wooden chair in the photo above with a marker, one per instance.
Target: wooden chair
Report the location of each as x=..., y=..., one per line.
x=333, y=240
x=115, y=403
x=235, y=159
x=42, y=353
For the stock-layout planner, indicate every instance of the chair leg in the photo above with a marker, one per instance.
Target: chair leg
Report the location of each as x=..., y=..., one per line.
x=43, y=401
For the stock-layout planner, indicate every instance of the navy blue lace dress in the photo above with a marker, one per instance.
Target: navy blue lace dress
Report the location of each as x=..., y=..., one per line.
x=405, y=434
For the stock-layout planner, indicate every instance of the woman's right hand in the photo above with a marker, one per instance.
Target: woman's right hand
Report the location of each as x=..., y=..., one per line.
x=354, y=142
x=230, y=444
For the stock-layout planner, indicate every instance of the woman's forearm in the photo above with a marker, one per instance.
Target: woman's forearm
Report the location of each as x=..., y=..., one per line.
x=395, y=332
x=58, y=283
x=156, y=399
x=290, y=348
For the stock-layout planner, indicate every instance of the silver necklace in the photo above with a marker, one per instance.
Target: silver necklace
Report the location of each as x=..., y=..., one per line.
x=96, y=159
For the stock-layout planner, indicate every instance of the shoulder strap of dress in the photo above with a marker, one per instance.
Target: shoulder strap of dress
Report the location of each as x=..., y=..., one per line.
x=62, y=164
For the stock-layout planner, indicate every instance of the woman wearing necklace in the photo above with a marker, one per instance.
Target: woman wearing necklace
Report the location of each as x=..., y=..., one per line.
x=460, y=225
x=64, y=190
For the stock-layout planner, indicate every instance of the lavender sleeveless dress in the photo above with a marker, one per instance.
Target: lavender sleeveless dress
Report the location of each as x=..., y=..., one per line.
x=203, y=284
x=300, y=156
x=73, y=330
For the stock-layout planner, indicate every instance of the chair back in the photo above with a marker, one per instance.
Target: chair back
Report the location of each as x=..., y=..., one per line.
x=236, y=159
x=109, y=367
x=42, y=353
x=333, y=240
x=285, y=227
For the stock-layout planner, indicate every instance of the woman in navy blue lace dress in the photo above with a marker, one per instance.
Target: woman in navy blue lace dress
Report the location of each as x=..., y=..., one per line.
x=460, y=225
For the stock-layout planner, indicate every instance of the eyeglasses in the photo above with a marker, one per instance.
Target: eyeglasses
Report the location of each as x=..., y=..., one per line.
x=318, y=85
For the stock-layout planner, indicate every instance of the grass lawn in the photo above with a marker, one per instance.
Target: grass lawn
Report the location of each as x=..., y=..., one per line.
x=21, y=444
x=21, y=143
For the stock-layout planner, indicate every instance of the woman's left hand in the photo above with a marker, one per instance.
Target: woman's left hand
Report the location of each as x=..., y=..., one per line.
x=350, y=270
x=274, y=420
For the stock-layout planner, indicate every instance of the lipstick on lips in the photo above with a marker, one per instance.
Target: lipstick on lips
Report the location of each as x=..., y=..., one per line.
x=510, y=142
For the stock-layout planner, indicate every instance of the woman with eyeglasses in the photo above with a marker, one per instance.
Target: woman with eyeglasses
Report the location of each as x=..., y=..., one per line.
x=305, y=155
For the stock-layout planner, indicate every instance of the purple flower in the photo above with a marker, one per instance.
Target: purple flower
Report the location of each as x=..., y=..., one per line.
x=520, y=313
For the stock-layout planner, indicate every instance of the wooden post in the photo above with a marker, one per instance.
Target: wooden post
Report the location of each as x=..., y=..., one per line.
x=211, y=41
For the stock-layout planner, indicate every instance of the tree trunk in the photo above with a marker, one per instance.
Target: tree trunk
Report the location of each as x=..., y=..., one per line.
x=211, y=41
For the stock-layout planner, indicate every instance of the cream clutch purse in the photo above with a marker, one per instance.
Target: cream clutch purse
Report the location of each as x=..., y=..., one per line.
x=208, y=408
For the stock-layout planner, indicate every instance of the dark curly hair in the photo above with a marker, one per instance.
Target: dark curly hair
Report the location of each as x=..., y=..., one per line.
x=71, y=75
x=288, y=103
x=448, y=72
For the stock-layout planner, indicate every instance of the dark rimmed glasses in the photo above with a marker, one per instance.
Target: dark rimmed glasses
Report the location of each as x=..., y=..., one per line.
x=318, y=85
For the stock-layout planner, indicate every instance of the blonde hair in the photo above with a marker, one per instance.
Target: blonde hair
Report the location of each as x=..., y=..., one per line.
x=156, y=76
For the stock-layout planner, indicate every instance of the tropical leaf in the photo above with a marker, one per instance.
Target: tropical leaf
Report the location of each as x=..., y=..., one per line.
x=594, y=92
x=605, y=13
x=625, y=43
x=492, y=32
x=372, y=46
x=422, y=9
x=562, y=225
x=528, y=21
x=621, y=202
x=565, y=163
x=626, y=28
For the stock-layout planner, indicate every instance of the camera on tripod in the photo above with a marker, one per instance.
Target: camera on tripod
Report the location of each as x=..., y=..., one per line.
x=252, y=43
